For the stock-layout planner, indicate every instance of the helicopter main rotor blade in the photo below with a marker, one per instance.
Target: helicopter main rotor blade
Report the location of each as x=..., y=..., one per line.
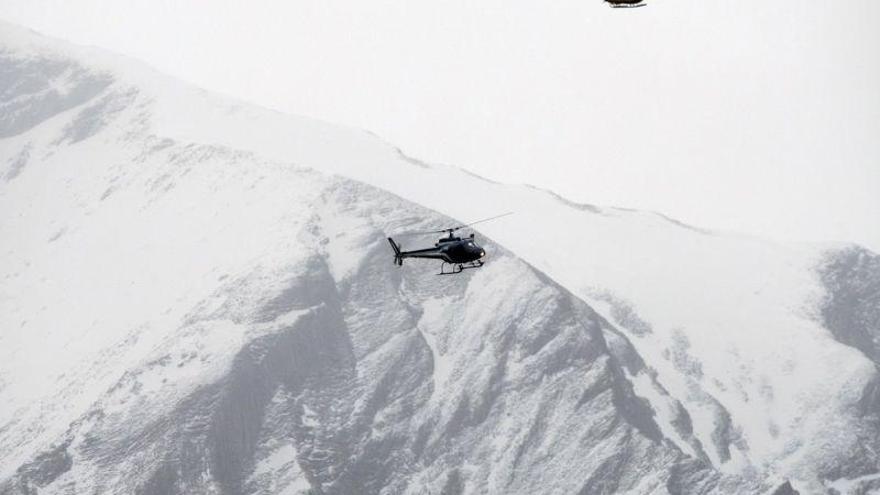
x=480, y=221
x=424, y=232
x=452, y=229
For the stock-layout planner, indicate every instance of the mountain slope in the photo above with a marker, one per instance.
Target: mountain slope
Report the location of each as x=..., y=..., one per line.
x=215, y=322
x=200, y=290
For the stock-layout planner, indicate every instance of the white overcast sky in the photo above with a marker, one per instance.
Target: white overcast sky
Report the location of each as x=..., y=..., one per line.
x=755, y=116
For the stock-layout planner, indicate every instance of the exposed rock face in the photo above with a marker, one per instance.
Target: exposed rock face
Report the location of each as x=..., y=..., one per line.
x=851, y=311
x=35, y=89
x=786, y=489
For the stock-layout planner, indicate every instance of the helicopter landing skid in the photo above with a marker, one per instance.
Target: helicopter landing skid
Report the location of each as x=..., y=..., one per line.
x=459, y=267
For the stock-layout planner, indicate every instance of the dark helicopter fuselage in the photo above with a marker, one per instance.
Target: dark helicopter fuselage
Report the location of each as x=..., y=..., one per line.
x=625, y=3
x=450, y=249
x=461, y=253
x=458, y=250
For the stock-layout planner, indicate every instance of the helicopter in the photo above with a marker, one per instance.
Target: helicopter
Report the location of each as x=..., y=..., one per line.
x=625, y=4
x=459, y=253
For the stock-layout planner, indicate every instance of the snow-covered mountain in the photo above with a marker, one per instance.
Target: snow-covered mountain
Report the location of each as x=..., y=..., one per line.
x=196, y=296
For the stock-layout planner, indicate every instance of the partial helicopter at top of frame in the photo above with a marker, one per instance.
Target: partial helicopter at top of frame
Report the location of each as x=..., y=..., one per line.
x=625, y=4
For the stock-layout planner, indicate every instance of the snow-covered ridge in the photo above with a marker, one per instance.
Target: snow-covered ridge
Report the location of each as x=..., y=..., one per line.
x=189, y=214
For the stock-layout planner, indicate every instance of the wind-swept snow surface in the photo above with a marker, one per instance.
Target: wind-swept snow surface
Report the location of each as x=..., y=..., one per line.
x=196, y=296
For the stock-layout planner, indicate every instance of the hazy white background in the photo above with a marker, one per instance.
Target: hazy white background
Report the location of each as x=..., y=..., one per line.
x=757, y=116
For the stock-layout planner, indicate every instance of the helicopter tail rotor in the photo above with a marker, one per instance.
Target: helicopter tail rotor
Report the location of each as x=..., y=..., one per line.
x=398, y=259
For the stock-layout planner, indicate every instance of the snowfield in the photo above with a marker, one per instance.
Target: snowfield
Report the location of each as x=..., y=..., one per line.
x=197, y=296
